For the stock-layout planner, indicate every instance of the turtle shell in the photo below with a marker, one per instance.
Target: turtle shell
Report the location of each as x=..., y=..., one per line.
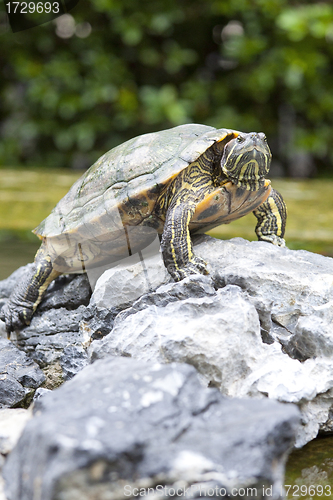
x=129, y=175
x=106, y=212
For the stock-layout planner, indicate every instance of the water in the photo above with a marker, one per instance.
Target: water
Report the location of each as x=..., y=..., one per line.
x=309, y=472
x=26, y=198
x=16, y=253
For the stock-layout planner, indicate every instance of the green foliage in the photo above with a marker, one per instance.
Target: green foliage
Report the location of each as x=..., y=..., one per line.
x=68, y=96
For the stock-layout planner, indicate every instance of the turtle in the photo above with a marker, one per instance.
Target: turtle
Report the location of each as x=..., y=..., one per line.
x=176, y=182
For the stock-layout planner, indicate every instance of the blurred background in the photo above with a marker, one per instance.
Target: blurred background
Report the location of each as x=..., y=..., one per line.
x=109, y=70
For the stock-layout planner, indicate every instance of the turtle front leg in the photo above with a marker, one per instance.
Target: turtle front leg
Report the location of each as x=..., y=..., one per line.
x=272, y=217
x=176, y=243
x=26, y=296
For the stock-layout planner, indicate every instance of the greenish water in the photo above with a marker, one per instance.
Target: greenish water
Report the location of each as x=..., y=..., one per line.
x=309, y=473
x=26, y=198
x=15, y=253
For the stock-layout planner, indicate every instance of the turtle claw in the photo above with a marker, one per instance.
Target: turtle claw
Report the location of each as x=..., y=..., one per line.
x=274, y=240
x=195, y=266
x=15, y=316
x=198, y=265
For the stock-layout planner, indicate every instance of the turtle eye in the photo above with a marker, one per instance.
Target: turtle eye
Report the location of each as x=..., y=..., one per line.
x=240, y=139
x=263, y=137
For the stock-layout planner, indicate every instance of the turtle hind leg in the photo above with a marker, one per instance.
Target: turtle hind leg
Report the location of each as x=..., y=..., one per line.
x=272, y=217
x=26, y=296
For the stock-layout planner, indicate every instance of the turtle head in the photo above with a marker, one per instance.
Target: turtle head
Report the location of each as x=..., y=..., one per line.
x=246, y=160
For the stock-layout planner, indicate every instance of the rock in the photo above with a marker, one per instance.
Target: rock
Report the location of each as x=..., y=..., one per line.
x=19, y=376
x=69, y=291
x=2, y=493
x=120, y=286
x=40, y=393
x=195, y=330
x=259, y=325
x=72, y=360
x=265, y=331
x=122, y=424
x=55, y=326
x=99, y=320
x=45, y=339
x=12, y=423
x=50, y=323
x=296, y=284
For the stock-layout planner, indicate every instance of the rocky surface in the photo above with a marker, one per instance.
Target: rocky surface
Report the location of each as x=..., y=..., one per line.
x=121, y=285
x=19, y=376
x=260, y=325
x=53, y=340
x=12, y=423
x=122, y=424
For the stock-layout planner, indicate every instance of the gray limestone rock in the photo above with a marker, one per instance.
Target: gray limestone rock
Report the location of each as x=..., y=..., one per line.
x=263, y=329
x=197, y=286
x=12, y=423
x=19, y=376
x=72, y=360
x=260, y=325
x=40, y=393
x=122, y=424
x=97, y=321
x=46, y=338
x=196, y=330
x=295, y=286
x=120, y=286
x=69, y=291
